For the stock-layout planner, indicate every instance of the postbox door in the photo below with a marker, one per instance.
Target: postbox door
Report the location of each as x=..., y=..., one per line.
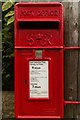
x=40, y=82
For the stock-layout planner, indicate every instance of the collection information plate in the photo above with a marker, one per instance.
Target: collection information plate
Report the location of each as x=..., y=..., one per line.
x=39, y=79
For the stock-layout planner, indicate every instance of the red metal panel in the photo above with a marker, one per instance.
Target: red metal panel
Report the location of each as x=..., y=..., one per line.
x=39, y=26
x=39, y=31
x=54, y=105
x=41, y=11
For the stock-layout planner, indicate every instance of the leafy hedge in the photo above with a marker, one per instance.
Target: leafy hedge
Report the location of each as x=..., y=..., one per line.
x=8, y=45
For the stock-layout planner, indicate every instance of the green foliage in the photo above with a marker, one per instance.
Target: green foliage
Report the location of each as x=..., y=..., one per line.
x=10, y=20
x=10, y=13
x=8, y=45
x=6, y=6
x=9, y=16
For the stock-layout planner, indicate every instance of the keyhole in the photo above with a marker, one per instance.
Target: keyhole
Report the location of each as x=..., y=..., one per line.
x=25, y=81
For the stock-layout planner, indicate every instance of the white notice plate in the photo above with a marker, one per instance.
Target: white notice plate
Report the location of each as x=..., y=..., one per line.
x=39, y=79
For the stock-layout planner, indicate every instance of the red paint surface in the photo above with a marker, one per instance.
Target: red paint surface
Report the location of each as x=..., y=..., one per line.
x=48, y=38
x=72, y=102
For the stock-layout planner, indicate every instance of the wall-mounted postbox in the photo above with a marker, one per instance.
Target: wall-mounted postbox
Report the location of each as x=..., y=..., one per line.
x=39, y=60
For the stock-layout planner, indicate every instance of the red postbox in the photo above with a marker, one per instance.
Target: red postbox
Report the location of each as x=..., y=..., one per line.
x=39, y=60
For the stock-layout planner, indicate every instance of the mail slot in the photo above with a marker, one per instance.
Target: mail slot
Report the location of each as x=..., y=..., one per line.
x=39, y=60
